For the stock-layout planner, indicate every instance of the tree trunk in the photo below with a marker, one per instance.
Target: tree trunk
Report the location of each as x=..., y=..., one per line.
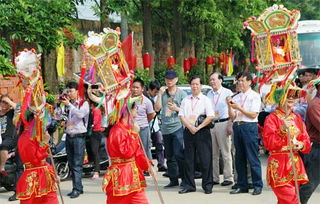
x=104, y=18
x=147, y=33
x=177, y=35
x=200, y=50
x=49, y=71
x=124, y=27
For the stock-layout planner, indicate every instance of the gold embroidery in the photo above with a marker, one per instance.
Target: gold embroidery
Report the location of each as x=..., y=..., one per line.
x=33, y=187
x=272, y=172
x=113, y=174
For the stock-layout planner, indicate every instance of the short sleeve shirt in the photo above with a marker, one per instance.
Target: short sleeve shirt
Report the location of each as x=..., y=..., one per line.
x=170, y=121
x=219, y=103
x=6, y=124
x=250, y=101
x=144, y=108
x=192, y=107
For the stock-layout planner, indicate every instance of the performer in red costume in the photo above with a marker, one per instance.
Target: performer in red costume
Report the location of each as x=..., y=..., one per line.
x=37, y=184
x=277, y=127
x=124, y=181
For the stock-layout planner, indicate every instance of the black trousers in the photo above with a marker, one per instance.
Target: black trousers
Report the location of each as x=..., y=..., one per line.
x=312, y=165
x=95, y=141
x=200, y=142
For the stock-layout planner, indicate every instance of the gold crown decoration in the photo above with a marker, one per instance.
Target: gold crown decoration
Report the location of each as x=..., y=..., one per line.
x=103, y=51
x=275, y=48
x=107, y=67
x=32, y=94
x=275, y=39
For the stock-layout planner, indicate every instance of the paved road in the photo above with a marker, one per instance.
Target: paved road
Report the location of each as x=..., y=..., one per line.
x=93, y=194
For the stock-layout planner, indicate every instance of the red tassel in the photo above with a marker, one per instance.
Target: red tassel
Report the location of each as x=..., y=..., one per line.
x=81, y=81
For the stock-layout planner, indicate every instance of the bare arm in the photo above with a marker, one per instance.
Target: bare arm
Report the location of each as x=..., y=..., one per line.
x=233, y=105
x=158, y=104
x=232, y=114
x=150, y=116
x=205, y=122
x=10, y=102
x=186, y=123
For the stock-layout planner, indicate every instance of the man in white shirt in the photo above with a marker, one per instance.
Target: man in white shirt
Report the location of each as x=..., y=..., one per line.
x=221, y=140
x=243, y=110
x=197, y=137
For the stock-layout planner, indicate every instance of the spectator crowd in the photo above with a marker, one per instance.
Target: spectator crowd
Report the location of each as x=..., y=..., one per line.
x=193, y=135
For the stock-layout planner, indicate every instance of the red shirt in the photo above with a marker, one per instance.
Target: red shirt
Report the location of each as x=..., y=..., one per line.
x=313, y=119
x=97, y=120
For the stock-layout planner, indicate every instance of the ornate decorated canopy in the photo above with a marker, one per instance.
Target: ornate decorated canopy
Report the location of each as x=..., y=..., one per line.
x=108, y=69
x=275, y=47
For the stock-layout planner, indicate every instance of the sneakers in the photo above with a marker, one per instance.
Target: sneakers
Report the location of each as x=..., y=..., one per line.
x=13, y=197
x=146, y=174
x=162, y=169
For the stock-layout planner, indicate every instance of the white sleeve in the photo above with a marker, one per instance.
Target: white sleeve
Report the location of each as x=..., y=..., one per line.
x=208, y=107
x=181, y=112
x=256, y=103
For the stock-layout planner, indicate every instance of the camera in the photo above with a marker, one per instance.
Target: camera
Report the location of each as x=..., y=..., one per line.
x=94, y=86
x=62, y=97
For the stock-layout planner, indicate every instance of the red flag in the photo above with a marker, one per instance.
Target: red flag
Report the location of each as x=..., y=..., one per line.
x=127, y=49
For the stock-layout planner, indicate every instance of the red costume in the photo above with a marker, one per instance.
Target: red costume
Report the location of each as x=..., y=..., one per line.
x=37, y=182
x=280, y=175
x=124, y=181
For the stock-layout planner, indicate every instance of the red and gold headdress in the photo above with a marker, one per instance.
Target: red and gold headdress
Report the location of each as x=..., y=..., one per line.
x=109, y=69
x=32, y=95
x=275, y=48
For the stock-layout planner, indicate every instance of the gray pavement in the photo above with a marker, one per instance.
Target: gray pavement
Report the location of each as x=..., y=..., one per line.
x=93, y=193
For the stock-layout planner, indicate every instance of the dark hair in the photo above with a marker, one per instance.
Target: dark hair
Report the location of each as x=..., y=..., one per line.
x=72, y=85
x=139, y=81
x=219, y=75
x=244, y=74
x=193, y=77
x=309, y=71
x=154, y=85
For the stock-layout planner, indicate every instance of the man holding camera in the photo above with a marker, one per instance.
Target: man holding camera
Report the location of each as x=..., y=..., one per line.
x=76, y=128
x=168, y=101
x=197, y=136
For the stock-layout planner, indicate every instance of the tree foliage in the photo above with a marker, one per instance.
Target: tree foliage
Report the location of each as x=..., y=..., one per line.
x=211, y=26
x=37, y=21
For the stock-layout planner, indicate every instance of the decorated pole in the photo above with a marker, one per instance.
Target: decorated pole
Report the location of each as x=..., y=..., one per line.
x=170, y=62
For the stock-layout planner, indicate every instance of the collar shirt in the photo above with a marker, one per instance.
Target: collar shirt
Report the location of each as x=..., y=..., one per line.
x=249, y=101
x=191, y=107
x=144, y=109
x=77, y=118
x=219, y=103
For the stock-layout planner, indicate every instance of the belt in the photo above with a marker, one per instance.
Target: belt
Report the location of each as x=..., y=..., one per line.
x=221, y=120
x=29, y=166
x=117, y=160
x=242, y=123
x=76, y=135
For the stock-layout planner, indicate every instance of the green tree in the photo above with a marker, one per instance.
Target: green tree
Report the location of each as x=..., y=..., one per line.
x=40, y=23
